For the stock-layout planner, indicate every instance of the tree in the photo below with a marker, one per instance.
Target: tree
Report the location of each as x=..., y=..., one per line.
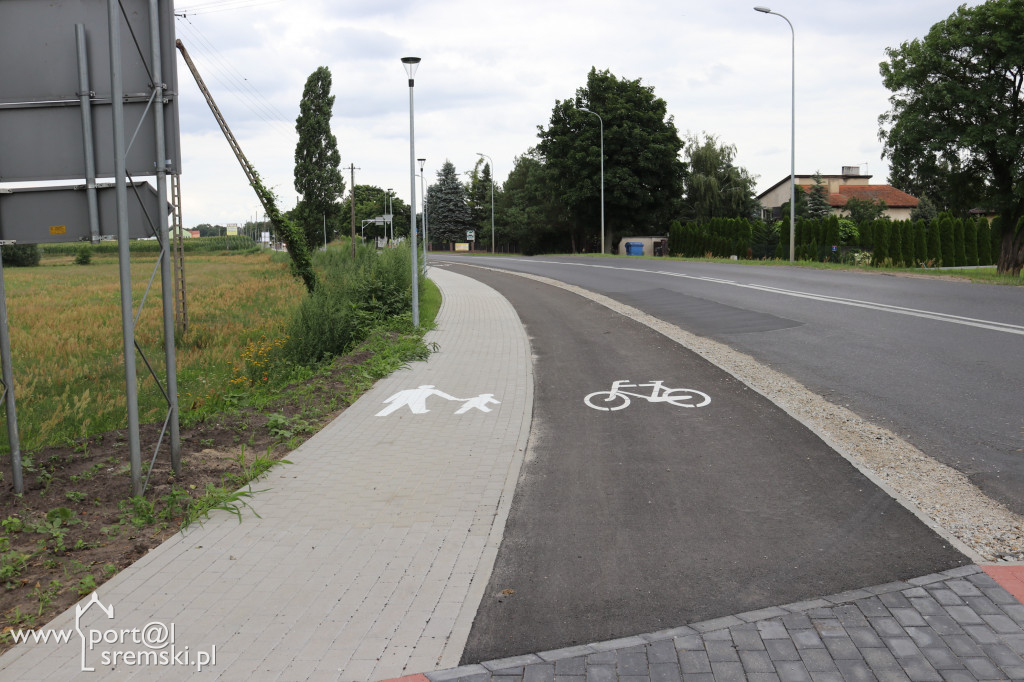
x=450, y=216
x=530, y=216
x=642, y=171
x=957, y=108
x=317, y=173
x=714, y=187
x=925, y=210
x=817, y=198
x=865, y=210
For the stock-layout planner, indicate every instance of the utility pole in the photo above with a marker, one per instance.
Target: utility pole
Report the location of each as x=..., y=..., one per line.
x=352, y=170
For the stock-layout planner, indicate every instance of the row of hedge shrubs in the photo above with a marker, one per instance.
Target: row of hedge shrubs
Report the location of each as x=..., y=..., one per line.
x=234, y=243
x=944, y=241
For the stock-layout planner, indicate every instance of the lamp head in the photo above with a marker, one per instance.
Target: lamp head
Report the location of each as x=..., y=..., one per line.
x=766, y=10
x=411, y=63
x=422, y=161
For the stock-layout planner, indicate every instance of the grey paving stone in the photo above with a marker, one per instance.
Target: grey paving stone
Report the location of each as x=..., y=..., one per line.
x=902, y=647
x=724, y=634
x=891, y=675
x=926, y=579
x=689, y=643
x=781, y=650
x=964, y=615
x=716, y=624
x=698, y=677
x=963, y=645
x=662, y=652
x=982, y=634
x=567, y=652
x=963, y=587
x=850, y=616
x=721, y=651
x=665, y=672
x=982, y=606
x=728, y=671
x=946, y=597
x=634, y=678
x=694, y=662
x=603, y=658
x=749, y=640
x=941, y=658
x=623, y=643
x=829, y=627
x=633, y=664
x=1015, y=611
x=539, y=672
x=817, y=660
x=1004, y=625
x=772, y=629
x=826, y=675
x=669, y=634
x=1015, y=642
x=851, y=595
x=791, y=671
x=914, y=592
x=887, y=627
x=1014, y=672
x=457, y=673
x=506, y=678
x=805, y=606
x=512, y=662
x=928, y=605
x=601, y=673
x=897, y=586
x=925, y=637
x=762, y=614
x=944, y=625
x=919, y=669
x=982, y=579
x=899, y=599
x=756, y=662
x=479, y=677
x=1002, y=655
x=855, y=671
x=567, y=678
x=797, y=621
x=865, y=637
x=907, y=617
x=983, y=669
x=807, y=639
x=818, y=614
x=842, y=648
x=762, y=677
x=508, y=672
x=999, y=595
x=961, y=675
x=880, y=659
x=571, y=666
x=876, y=606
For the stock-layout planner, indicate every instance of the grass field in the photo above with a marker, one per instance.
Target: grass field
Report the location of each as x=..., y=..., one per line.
x=66, y=344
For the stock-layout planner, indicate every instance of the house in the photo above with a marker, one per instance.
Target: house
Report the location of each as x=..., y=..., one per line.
x=841, y=188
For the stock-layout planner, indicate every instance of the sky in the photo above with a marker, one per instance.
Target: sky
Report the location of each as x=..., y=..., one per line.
x=491, y=73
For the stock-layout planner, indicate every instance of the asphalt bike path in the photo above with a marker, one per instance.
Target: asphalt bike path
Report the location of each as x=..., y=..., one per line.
x=681, y=506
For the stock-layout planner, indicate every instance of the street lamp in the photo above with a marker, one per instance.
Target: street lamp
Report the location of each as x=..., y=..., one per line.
x=389, y=211
x=601, y=121
x=792, y=143
x=410, y=64
x=492, y=197
x=423, y=201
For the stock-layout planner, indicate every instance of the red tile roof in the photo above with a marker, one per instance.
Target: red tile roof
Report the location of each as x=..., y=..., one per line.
x=892, y=197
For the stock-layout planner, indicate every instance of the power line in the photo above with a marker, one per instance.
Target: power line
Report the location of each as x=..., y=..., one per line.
x=222, y=6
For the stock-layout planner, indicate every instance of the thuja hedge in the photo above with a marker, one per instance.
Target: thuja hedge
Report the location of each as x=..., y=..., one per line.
x=945, y=241
x=234, y=243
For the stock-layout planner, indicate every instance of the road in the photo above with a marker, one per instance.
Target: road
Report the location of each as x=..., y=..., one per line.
x=658, y=514
x=937, y=362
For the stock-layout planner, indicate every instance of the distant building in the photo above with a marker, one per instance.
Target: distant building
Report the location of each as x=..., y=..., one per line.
x=841, y=188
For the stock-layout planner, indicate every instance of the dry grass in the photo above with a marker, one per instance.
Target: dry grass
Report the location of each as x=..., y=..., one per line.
x=66, y=344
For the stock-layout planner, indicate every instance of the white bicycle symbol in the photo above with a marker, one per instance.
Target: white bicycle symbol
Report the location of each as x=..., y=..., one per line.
x=617, y=399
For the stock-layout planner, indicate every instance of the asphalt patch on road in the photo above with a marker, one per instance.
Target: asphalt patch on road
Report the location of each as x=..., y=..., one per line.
x=656, y=515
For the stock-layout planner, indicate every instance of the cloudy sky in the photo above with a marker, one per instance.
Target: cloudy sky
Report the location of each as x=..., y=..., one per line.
x=491, y=73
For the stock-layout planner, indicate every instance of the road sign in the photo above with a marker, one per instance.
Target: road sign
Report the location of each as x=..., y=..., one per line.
x=470, y=235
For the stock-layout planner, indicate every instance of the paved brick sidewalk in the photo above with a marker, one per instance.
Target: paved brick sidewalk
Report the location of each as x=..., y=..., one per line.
x=372, y=548
x=956, y=626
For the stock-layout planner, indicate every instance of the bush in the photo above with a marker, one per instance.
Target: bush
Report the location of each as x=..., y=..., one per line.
x=84, y=255
x=20, y=255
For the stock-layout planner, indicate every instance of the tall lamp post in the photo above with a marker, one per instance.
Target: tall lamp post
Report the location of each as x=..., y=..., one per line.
x=423, y=201
x=792, y=140
x=492, y=197
x=410, y=64
x=601, y=122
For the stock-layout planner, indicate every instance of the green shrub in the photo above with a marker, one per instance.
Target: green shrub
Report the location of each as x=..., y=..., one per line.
x=20, y=255
x=84, y=255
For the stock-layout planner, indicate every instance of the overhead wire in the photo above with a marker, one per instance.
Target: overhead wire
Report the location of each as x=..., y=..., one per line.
x=222, y=5
x=234, y=81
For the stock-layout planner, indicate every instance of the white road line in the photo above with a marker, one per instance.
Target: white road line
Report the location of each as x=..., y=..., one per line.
x=1004, y=327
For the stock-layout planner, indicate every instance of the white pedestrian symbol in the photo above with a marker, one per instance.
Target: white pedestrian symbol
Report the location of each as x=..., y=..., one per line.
x=416, y=400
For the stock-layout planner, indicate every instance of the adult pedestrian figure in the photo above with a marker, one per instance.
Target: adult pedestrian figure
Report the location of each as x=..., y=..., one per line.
x=415, y=398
